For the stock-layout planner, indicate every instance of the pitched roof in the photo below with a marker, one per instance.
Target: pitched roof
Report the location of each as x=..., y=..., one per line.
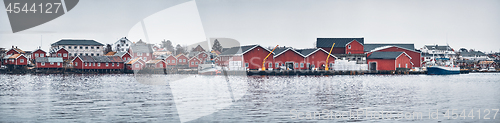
x=370, y=47
x=76, y=42
x=101, y=59
x=110, y=53
x=141, y=48
x=237, y=50
x=178, y=55
x=306, y=52
x=283, y=50
x=153, y=61
x=49, y=59
x=339, y=42
x=120, y=54
x=472, y=54
x=114, y=58
x=14, y=56
x=437, y=47
x=385, y=55
x=87, y=58
x=18, y=50
x=131, y=61
x=40, y=50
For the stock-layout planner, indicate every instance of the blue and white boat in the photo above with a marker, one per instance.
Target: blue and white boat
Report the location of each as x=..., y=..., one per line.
x=443, y=67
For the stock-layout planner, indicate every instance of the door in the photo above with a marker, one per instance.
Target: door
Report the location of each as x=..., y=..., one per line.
x=373, y=66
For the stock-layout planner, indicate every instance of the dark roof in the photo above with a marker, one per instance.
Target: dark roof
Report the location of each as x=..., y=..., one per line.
x=384, y=55
x=472, y=54
x=237, y=50
x=114, y=59
x=87, y=58
x=76, y=42
x=101, y=59
x=306, y=52
x=339, y=42
x=370, y=47
x=280, y=50
x=436, y=47
x=49, y=59
x=120, y=54
x=141, y=48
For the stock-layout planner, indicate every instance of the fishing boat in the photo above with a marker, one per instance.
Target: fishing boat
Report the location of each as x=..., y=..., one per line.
x=442, y=66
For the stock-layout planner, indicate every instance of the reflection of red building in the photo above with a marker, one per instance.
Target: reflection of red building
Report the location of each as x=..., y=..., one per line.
x=342, y=45
x=388, y=60
x=252, y=56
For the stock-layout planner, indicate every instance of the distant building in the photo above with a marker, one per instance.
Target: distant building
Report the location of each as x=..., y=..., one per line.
x=249, y=57
x=342, y=45
x=407, y=48
x=98, y=62
x=121, y=45
x=141, y=50
x=49, y=62
x=388, y=60
x=38, y=53
x=15, y=59
x=473, y=55
x=79, y=47
x=14, y=50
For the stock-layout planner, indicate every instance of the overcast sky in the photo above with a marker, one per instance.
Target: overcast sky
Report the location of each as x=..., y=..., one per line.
x=297, y=23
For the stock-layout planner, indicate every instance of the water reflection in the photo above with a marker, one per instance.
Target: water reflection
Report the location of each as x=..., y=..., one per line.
x=196, y=98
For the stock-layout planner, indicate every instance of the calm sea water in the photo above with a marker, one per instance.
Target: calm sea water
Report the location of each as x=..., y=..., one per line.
x=195, y=98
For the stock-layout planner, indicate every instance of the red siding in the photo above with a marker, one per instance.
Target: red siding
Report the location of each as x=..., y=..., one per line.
x=171, y=60
x=290, y=56
x=403, y=60
x=201, y=57
x=415, y=56
x=356, y=48
x=11, y=51
x=195, y=62
x=62, y=53
x=255, y=57
x=78, y=64
x=144, y=56
x=38, y=52
x=319, y=58
x=383, y=64
x=182, y=57
x=126, y=57
x=48, y=65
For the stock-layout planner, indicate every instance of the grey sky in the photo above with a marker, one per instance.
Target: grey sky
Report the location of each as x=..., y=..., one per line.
x=296, y=23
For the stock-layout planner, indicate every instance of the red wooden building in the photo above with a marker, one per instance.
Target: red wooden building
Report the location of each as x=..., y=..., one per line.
x=252, y=56
x=193, y=62
x=156, y=64
x=415, y=55
x=342, y=45
x=182, y=59
x=141, y=50
x=315, y=58
x=98, y=62
x=388, y=60
x=135, y=64
x=14, y=50
x=203, y=56
x=290, y=58
x=15, y=59
x=38, y=53
x=61, y=52
x=49, y=62
x=123, y=55
x=171, y=60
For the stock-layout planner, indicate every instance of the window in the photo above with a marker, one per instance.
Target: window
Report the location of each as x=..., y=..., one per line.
x=349, y=53
x=196, y=63
x=147, y=54
x=74, y=47
x=36, y=54
x=136, y=65
x=76, y=64
x=331, y=65
x=42, y=55
x=246, y=64
x=93, y=64
x=52, y=63
x=192, y=63
x=91, y=54
x=161, y=65
x=98, y=64
x=86, y=47
x=81, y=47
x=301, y=65
x=139, y=54
x=406, y=65
x=399, y=65
x=59, y=55
x=270, y=64
x=81, y=54
x=173, y=61
x=296, y=65
x=97, y=47
x=92, y=47
x=126, y=44
x=168, y=61
x=349, y=47
x=204, y=55
x=308, y=64
x=277, y=65
x=118, y=64
x=85, y=64
x=183, y=60
x=70, y=54
x=43, y=63
x=112, y=64
x=86, y=54
x=106, y=64
x=58, y=64
x=97, y=54
x=69, y=47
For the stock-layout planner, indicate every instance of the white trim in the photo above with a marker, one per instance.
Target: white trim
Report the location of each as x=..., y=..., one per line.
x=352, y=41
x=389, y=46
x=247, y=50
x=287, y=50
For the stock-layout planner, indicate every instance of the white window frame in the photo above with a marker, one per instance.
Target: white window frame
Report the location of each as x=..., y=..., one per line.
x=139, y=54
x=43, y=63
x=58, y=64
x=107, y=64
x=42, y=55
x=136, y=65
x=276, y=64
x=349, y=47
x=183, y=60
x=85, y=63
x=51, y=63
x=112, y=64
x=192, y=63
x=118, y=64
x=36, y=55
x=76, y=63
x=21, y=60
x=98, y=64
x=269, y=65
x=65, y=55
x=301, y=65
x=246, y=64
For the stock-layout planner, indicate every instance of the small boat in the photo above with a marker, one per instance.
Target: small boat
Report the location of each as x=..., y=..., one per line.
x=443, y=66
